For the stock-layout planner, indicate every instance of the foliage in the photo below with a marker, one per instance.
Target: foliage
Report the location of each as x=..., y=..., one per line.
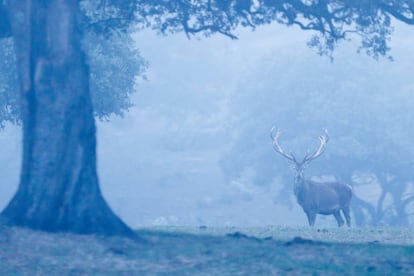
x=115, y=64
x=332, y=20
x=108, y=23
x=9, y=100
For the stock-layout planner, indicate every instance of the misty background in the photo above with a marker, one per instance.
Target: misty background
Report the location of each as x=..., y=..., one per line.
x=195, y=148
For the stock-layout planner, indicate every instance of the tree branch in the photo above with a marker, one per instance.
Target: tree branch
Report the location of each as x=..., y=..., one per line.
x=398, y=14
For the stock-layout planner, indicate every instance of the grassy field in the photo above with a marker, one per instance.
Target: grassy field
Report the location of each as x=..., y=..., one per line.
x=211, y=251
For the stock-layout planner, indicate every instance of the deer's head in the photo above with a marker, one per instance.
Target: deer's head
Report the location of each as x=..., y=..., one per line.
x=299, y=166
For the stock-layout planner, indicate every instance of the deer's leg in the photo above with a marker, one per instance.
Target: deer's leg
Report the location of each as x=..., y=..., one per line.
x=311, y=217
x=339, y=218
x=345, y=210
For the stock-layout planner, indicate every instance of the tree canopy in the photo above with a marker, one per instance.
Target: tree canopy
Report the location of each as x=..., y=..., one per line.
x=115, y=60
x=332, y=20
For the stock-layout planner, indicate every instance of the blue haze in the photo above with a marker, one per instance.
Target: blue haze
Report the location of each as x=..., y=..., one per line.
x=195, y=150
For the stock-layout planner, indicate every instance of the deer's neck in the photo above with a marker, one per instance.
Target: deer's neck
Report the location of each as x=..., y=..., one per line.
x=299, y=189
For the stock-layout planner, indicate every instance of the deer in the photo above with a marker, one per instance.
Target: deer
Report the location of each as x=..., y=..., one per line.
x=324, y=198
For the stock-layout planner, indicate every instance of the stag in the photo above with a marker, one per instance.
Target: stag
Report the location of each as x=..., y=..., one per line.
x=325, y=198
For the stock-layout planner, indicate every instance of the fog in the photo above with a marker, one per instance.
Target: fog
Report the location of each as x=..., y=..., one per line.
x=195, y=148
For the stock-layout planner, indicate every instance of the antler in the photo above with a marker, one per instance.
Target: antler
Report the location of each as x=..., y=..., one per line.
x=323, y=140
x=277, y=147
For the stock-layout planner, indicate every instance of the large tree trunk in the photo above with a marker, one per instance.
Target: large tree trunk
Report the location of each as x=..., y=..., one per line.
x=59, y=189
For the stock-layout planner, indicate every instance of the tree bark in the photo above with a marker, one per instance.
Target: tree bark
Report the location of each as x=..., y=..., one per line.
x=59, y=188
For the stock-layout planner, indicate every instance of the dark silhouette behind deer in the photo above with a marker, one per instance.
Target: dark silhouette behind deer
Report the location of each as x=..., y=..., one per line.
x=325, y=198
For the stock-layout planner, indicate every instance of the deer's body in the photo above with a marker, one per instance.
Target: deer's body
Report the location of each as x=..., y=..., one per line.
x=325, y=198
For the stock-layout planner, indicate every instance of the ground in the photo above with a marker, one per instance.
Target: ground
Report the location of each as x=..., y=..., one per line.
x=271, y=250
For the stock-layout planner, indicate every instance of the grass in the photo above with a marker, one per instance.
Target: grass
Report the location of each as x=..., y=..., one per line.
x=211, y=251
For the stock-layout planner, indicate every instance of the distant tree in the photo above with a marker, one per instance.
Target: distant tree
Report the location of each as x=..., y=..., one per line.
x=392, y=206
x=59, y=188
